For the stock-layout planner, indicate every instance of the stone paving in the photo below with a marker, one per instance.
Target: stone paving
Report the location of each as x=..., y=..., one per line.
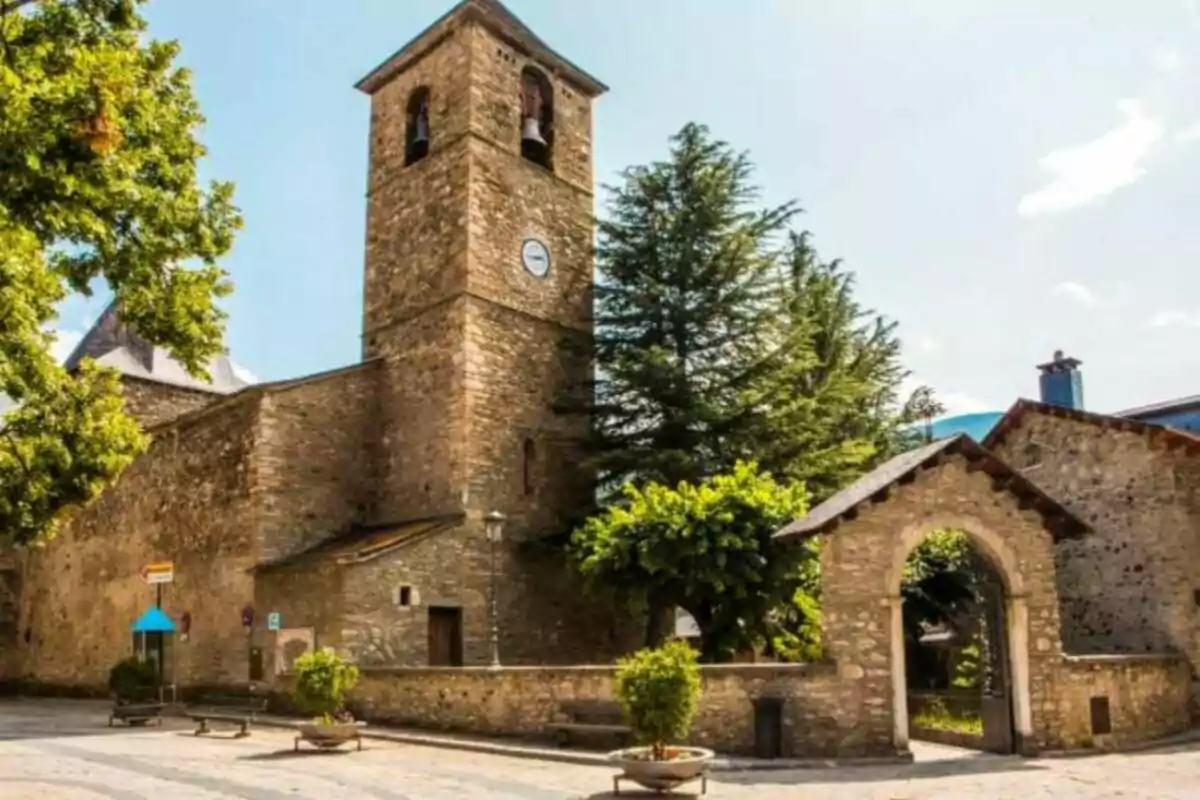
x=63, y=750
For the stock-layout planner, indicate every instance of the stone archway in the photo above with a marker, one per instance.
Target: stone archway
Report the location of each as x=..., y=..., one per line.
x=867, y=532
x=1016, y=617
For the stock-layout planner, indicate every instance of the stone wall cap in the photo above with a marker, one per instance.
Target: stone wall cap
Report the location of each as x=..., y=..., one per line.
x=1172, y=437
x=876, y=487
x=502, y=22
x=1100, y=659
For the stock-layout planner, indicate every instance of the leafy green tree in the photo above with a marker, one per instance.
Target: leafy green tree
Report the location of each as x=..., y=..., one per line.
x=923, y=405
x=98, y=183
x=939, y=582
x=707, y=548
x=659, y=692
x=322, y=681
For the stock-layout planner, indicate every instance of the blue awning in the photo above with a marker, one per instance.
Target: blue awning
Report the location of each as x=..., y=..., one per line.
x=154, y=620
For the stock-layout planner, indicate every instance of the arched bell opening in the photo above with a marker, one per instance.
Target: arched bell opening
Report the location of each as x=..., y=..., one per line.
x=416, y=127
x=537, y=118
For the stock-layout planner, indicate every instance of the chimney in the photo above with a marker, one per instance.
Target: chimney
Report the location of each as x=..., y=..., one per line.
x=1062, y=382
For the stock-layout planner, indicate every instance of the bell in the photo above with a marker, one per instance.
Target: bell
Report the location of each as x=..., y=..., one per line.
x=532, y=132
x=422, y=134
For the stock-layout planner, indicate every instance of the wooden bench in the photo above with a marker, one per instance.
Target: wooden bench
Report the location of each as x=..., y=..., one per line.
x=235, y=708
x=590, y=718
x=134, y=714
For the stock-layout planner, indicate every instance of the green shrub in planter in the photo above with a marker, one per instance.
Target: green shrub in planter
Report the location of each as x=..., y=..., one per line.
x=659, y=691
x=322, y=681
x=133, y=680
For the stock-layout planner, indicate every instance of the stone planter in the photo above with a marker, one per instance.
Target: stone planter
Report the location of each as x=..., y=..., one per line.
x=690, y=763
x=329, y=735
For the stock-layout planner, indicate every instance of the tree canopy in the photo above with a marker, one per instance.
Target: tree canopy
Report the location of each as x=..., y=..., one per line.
x=98, y=185
x=722, y=336
x=707, y=548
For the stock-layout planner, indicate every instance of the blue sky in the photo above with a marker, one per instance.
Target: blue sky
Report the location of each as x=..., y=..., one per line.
x=1006, y=178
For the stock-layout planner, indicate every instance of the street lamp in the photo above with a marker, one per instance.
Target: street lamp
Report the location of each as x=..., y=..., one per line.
x=493, y=529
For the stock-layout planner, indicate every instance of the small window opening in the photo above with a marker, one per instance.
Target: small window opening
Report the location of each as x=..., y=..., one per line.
x=404, y=596
x=529, y=457
x=537, y=117
x=416, y=126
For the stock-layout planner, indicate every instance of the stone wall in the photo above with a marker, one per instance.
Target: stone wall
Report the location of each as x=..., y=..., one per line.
x=185, y=500
x=1147, y=700
x=516, y=701
x=313, y=468
x=1128, y=588
x=542, y=612
x=154, y=403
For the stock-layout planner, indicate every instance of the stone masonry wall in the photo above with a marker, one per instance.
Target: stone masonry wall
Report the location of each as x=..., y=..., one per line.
x=522, y=701
x=1129, y=588
x=354, y=608
x=185, y=500
x=153, y=403
x=858, y=579
x=1147, y=695
x=314, y=465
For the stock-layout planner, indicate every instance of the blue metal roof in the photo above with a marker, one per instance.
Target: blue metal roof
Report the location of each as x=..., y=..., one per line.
x=154, y=620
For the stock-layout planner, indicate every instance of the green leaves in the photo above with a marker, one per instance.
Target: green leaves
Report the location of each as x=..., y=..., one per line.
x=322, y=681
x=659, y=691
x=708, y=548
x=98, y=181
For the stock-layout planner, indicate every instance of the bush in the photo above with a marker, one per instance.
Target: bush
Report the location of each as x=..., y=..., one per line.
x=133, y=679
x=659, y=691
x=322, y=681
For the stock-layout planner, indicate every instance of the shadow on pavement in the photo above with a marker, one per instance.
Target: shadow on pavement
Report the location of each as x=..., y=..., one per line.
x=921, y=770
x=285, y=755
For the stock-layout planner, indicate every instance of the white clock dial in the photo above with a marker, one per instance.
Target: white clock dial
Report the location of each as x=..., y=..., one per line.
x=535, y=256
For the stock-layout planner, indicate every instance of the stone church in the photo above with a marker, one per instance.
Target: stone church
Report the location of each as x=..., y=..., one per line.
x=346, y=508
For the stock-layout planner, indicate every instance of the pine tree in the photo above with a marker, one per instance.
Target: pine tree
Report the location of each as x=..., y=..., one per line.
x=687, y=300
x=833, y=409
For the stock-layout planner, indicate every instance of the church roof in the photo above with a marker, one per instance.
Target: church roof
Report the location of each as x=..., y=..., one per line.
x=111, y=343
x=1173, y=437
x=365, y=542
x=502, y=22
x=876, y=485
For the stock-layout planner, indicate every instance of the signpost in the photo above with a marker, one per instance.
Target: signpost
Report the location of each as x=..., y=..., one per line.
x=158, y=574
x=274, y=621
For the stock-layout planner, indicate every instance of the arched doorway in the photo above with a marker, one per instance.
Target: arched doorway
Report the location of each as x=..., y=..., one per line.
x=1005, y=702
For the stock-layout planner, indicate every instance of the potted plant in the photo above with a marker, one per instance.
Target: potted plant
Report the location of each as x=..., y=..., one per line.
x=132, y=681
x=659, y=692
x=322, y=681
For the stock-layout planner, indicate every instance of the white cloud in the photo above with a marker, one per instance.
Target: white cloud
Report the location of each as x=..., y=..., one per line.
x=242, y=373
x=1173, y=318
x=1190, y=133
x=927, y=344
x=1079, y=293
x=1096, y=168
x=1167, y=59
x=64, y=342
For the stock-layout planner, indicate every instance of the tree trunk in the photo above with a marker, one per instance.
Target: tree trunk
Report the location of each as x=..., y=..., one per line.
x=660, y=621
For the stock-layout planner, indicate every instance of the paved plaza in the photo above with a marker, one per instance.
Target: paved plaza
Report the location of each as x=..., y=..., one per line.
x=63, y=750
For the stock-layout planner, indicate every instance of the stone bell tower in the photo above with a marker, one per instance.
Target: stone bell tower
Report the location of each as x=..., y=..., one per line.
x=479, y=265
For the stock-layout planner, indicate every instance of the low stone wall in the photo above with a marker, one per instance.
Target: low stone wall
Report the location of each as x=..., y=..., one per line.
x=1147, y=698
x=521, y=701
x=969, y=741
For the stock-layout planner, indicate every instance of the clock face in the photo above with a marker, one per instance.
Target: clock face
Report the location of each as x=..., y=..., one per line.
x=535, y=256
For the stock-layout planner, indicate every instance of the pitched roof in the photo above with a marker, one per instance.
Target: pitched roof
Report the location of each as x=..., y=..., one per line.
x=112, y=343
x=1171, y=437
x=502, y=22
x=1180, y=404
x=365, y=542
x=875, y=487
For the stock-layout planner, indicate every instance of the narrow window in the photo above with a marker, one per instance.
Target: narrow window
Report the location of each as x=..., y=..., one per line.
x=416, y=126
x=405, y=598
x=537, y=118
x=528, y=458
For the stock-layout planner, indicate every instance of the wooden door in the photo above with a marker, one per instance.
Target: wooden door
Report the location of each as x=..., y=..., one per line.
x=445, y=637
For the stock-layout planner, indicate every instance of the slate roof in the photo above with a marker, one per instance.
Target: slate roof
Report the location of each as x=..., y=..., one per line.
x=1180, y=404
x=875, y=487
x=1171, y=437
x=111, y=343
x=363, y=543
x=502, y=22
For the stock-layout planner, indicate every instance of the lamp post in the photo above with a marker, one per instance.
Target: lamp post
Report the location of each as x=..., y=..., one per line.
x=493, y=528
